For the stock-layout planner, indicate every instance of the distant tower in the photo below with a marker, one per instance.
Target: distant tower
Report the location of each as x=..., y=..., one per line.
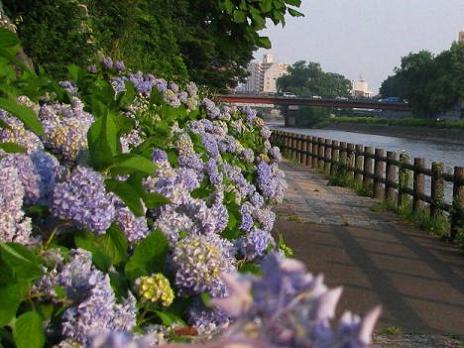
x=268, y=59
x=461, y=36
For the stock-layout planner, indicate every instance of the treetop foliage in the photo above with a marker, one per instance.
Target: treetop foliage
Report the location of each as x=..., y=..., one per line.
x=308, y=79
x=209, y=42
x=431, y=83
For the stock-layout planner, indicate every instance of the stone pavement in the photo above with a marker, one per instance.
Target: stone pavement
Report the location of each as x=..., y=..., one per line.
x=377, y=258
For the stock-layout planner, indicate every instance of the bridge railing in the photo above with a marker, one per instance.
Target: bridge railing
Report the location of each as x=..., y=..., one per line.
x=383, y=174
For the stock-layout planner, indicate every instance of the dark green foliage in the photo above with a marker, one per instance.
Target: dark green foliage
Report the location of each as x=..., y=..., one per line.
x=210, y=42
x=310, y=80
x=431, y=84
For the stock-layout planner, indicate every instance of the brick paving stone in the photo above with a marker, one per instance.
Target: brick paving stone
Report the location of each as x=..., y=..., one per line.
x=377, y=258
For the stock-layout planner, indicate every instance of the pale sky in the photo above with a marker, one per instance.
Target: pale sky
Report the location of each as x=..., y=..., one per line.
x=367, y=37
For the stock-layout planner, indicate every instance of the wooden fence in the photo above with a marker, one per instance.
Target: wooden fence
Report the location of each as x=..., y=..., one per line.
x=384, y=174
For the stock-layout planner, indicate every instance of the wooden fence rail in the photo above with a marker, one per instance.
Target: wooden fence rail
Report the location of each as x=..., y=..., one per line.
x=385, y=175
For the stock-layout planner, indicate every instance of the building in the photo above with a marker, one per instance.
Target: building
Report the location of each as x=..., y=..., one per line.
x=263, y=76
x=360, y=89
x=461, y=36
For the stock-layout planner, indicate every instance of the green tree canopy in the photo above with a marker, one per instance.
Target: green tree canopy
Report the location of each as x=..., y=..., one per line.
x=309, y=79
x=210, y=41
x=431, y=84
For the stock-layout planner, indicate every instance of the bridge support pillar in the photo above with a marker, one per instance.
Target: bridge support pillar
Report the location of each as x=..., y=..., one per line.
x=290, y=113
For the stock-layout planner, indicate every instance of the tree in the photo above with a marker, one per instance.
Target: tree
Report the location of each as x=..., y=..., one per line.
x=210, y=41
x=309, y=79
x=431, y=84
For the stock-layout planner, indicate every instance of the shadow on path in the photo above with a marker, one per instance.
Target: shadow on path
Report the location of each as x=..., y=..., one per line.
x=418, y=279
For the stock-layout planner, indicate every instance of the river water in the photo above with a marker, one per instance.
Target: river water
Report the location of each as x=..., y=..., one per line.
x=450, y=154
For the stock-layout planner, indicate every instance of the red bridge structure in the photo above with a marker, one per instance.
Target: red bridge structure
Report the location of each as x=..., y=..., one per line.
x=289, y=104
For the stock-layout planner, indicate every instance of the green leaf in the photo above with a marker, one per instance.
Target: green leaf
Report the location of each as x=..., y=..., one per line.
x=26, y=115
x=8, y=39
x=22, y=262
x=128, y=194
x=265, y=5
x=12, y=147
x=239, y=16
x=112, y=245
x=228, y=6
x=129, y=163
x=103, y=141
x=10, y=298
x=168, y=318
x=250, y=268
x=295, y=3
x=149, y=256
x=263, y=41
x=155, y=200
x=28, y=331
x=295, y=13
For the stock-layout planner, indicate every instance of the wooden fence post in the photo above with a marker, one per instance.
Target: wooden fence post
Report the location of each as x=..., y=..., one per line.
x=404, y=179
x=343, y=157
x=304, y=149
x=351, y=160
x=390, y=176
x=315, y=153
x=457, y=216
x=359, y=165
x=327, y=156
x=368, y=167
x=320, y=163
x=378, y=174
x=419, y=185
x=437, y=190
x=299, y=144
x=334, y=158
x=309, y=150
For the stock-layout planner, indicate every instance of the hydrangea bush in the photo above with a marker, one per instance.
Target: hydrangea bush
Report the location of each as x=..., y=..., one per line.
x=137, y=213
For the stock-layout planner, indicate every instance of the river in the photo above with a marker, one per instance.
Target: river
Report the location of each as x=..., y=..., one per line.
x=451, y=155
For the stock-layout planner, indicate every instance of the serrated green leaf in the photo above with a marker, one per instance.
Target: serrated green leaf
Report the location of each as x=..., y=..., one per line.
x=10, y=297
x=250, y=268
x=26, y=115
x=103, y=141
x=28, y=331
x=128, y=195
x=22, y=262
x=129, y=163
x=12, y=148
x=263, y=41
x=295, y=13
x=295, y=3
x=149, y=256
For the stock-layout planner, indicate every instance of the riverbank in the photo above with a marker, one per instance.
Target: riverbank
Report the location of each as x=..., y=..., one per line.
x=450, y=136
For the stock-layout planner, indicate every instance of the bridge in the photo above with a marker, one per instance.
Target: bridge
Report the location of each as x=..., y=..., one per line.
x=290, y=104
x=307, y=101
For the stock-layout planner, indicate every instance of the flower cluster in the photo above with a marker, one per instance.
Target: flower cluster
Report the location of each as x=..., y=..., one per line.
x=155, y=288
x=189, y=184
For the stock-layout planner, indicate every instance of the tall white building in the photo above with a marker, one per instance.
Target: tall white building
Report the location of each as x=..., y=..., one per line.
x=263, y=76
x=360, y=89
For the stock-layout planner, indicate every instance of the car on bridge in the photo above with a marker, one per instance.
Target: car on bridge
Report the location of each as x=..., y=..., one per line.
x=288, y=95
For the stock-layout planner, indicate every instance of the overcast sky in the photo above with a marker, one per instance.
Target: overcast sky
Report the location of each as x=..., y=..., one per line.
x=367, y=37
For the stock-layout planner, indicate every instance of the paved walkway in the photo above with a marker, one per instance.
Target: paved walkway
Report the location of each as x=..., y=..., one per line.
x=378, y=259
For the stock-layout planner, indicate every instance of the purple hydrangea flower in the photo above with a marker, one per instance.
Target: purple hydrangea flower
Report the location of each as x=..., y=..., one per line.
x=265, y=133
x=171, y=223
x=212, y=110
x=69, y=87
x=82, y=198
x=254, y=244
x=119, y=66
x=107, y=63
x=14, y=227
x=16, y=133
x=198, y=262
x=134, y=228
